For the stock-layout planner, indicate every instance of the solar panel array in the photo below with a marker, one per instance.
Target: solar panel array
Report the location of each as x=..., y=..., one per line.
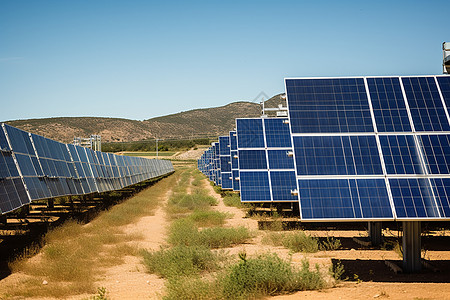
x=371, y=147
x=359, y=148
x=33, y=167
x=266, y=165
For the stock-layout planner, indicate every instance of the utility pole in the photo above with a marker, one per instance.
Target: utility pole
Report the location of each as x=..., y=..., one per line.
x=156, y=148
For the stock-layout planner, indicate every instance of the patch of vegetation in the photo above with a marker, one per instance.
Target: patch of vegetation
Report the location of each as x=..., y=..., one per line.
x=296, y=241
x=330, y=244
x=198, y=178
x=150, y=145
x=233, y=200
x=160, y=153
x=336, y=270
x=183, y=203
x=268, y=275
x=181, y=261
x=185, y=232
x=194, y=288
x=206, y=218
x=265, y=275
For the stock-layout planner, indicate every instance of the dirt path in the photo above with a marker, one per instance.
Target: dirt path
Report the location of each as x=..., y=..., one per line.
x=130, y=279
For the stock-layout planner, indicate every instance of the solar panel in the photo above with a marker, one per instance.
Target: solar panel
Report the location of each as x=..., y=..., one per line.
x=331, y=199
x=33, y=167
x=371, y=147
x=234, y=161
x=270, y=161
x=226, y=176
x=328, y=105
x=388, y=104
x=425, y=103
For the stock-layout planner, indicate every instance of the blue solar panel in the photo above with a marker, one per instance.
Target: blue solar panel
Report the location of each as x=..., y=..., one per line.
x=444, y=84
x=344, y=199
x=250, y=133
x=279, y=159
x=413, y=198
x=442, y=194
x=233, y=140
x=254, y=187
x=328, y=105
x=337, y=155
x=252, y=159
x=401, y=154
x=436, y=149
x=277, y=133
x=227, y=181
x=225, y=164
x=224, y=144
x=234, y=160
x=236, y=186
x=425, y=103
x=283, y=182
x=388, y=104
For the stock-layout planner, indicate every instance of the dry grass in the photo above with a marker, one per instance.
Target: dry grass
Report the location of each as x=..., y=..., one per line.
x=74, y=254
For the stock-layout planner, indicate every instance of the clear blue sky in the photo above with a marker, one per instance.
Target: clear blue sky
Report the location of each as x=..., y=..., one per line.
x=141, y=59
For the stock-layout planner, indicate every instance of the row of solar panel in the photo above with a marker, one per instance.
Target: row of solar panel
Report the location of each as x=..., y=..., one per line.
x=262, y=173
x=33, y=167
x=372, y=148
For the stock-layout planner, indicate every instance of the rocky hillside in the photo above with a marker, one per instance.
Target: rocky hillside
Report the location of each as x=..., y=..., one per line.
x=197, y=123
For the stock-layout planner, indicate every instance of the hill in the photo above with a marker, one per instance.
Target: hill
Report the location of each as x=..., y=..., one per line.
x=197, y=123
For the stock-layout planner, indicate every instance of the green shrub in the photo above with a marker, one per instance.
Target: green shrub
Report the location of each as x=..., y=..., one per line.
x=205, y=218
x=300, y=242
x=233, y=200
x=189, y=202
x=184, y=232
x=180, y=261
x=191, y=289
x=296, y=241
x=267, y=275
x=218, y=237
x=330, y=244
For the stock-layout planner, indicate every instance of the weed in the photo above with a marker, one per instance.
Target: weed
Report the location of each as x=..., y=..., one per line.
x=218, y=237
x=185, y=232
x=180, y=261
x=267, y=275
x=191, y=288
x=208, y=218
x=233, y=200
x=330, y=244
x=337, y=270
x=101, y=294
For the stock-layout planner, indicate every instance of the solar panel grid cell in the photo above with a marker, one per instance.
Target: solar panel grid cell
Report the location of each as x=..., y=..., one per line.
x=388, y=104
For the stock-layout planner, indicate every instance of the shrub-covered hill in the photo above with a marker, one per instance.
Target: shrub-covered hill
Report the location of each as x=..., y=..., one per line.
x=197, y=123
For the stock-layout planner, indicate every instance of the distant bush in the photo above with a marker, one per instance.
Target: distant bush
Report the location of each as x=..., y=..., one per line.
x=150, y=145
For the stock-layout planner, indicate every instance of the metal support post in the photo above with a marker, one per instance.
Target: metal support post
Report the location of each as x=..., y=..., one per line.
x=51, y=203
x=375, y=233
x=3, y=219
x=411, y=246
